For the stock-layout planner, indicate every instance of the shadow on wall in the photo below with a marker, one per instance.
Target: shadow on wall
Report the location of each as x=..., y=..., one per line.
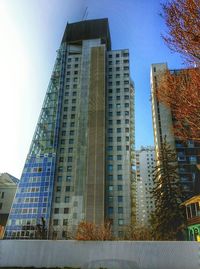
x=111, y=264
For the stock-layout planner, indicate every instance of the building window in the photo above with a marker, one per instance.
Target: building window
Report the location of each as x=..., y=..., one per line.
x=110, y=199
x=121, y=222
x=120, y=210
x=110, y=168
x=59, y=179
x=110, y=210
x=119, y=130
x=57, y=200
x=69, y=159
x=69, y=168
x=56, y=210
x=61, y=159
x=65, y=222
x=109, y=148
x=119, y=187
x=110, y=187
x=73, y=108
x=119, y=177
x=66, y=210
x=55, y=222
x=68, y=178
x=119, y=157
x=67, y=188
x=118, y=106
x=62, y=141
x=119, y=167
x=118, y=121
x=70, y=150
x=58, y=188
x=119, y=148
x=67, y=199
x=120, y=199
x=110, y=139
x=110, y=177
x=119, y=139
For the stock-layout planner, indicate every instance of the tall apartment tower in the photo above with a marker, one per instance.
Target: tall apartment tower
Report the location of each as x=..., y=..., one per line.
x=145, y=204
x=188, y=152
x=79, y=166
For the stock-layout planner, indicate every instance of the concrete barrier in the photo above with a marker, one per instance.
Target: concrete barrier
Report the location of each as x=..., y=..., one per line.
x=96, y=254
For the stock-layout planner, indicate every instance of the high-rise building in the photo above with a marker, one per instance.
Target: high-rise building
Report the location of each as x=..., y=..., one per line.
x=79, y=166
x=188, y=152
x=145, y=204
x=8, y=186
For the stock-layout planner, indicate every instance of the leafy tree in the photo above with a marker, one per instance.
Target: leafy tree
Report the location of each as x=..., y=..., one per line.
x=182, y=18
x=181, y=93
x=168, y=218
x=134, y=232
x=41, y=231
x=87, y=231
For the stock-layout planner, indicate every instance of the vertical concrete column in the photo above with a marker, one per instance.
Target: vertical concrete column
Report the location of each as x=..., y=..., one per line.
x=96, y=138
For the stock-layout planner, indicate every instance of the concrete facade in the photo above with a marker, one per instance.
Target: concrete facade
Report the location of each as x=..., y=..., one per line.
x=145, y=204
x=93, y=255
x=8, y=187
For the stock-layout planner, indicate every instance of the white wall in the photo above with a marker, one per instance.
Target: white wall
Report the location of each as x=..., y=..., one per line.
x=109, y=254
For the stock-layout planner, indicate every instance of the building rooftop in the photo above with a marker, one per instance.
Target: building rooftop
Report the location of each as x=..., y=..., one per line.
x=90, y=29
x=6, y=180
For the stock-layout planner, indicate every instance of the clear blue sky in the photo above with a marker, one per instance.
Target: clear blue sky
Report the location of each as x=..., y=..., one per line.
x=31, y=31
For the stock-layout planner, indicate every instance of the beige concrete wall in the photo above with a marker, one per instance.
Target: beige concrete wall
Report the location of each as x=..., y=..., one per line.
x=96, y=138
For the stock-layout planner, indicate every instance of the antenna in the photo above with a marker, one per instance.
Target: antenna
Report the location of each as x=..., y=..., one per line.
x=85, y=14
